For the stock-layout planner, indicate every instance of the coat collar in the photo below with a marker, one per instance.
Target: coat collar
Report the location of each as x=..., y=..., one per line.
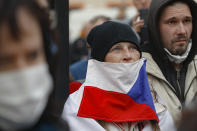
x=153, y=69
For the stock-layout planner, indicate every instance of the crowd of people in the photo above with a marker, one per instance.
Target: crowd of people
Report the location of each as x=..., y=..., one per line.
x=136, y=74
x=167, y=37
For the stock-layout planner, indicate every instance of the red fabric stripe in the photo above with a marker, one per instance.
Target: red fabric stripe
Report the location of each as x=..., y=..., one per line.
x=74, y=86
x=113, y=106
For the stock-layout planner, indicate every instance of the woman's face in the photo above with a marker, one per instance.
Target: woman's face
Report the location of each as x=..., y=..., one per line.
x=123, y=52
x=25, y=51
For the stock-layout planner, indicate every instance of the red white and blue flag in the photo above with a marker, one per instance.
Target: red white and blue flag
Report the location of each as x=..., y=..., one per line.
x=112, y=92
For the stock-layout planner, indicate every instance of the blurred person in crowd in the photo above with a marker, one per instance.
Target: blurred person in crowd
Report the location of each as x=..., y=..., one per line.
x=139, y=22
x=116, y=79
x=79, y=68
x=26, y=73
x=97, y=20
x=78, y=49
x=171, y=53
x=121, y=11
x=189, y=118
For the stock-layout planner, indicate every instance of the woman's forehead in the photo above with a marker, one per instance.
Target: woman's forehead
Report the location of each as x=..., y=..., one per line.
x=125, y=43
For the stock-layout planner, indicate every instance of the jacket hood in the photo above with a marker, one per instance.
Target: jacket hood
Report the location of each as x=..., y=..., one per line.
x=155, y=44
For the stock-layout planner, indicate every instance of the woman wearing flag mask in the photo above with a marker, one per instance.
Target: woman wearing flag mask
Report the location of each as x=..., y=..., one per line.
x=26, y=80
x=115, y=95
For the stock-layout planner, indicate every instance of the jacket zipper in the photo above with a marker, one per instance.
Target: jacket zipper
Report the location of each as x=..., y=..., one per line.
x=177, y=80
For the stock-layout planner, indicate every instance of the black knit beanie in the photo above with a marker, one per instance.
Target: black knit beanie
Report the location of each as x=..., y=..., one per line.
x=102, y=37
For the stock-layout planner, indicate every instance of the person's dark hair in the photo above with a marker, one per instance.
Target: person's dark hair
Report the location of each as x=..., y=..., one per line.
x=8, y=13
x=51, y=4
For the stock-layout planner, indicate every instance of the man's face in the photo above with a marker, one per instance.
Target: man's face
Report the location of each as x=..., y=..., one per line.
x=141, y=4
x=123, y=52
x=176, y=27
x=25, y=51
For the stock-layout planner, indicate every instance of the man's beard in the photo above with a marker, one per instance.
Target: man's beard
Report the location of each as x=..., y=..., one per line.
x=179, y=58
x=180, y=50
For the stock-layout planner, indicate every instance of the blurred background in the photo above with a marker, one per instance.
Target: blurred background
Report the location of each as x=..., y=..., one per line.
x=84, y=15
x=81, y=11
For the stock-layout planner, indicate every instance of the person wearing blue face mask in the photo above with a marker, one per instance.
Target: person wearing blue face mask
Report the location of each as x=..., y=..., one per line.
x=26, y=80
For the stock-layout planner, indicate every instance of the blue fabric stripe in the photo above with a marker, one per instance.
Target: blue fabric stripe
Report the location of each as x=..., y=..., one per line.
x=140, y=92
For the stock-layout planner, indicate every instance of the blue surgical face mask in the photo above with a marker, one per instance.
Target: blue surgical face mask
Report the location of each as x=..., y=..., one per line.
x=23, y=96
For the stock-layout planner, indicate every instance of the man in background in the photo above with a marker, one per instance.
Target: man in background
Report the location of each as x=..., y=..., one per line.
x=171, y=53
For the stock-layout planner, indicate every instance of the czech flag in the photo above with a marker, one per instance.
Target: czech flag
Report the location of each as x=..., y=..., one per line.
x=113, y=92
